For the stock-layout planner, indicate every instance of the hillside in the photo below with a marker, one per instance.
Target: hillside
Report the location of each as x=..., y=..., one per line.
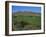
x=26, y=13
x=26, y=21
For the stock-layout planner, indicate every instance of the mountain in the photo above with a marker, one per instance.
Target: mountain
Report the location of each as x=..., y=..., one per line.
x=26, y=13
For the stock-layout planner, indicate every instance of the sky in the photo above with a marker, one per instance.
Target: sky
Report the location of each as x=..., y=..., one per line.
x=26, y=8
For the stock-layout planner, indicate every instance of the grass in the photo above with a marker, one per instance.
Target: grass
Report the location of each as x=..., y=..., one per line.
x=26, y=22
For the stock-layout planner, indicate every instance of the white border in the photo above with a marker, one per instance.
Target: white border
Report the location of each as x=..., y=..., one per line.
x=27, y=31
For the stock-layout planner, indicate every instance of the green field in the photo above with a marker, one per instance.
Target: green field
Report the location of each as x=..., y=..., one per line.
x=26, y=22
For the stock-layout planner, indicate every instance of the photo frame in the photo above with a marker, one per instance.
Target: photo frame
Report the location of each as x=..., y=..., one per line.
x=21, y=10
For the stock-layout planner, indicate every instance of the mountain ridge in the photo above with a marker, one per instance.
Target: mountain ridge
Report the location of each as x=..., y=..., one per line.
x=26, y=13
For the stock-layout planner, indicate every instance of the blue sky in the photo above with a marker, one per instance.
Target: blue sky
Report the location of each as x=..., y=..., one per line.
x=26, y=8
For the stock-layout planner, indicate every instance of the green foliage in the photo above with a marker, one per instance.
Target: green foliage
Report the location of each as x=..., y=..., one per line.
x=26, y=22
